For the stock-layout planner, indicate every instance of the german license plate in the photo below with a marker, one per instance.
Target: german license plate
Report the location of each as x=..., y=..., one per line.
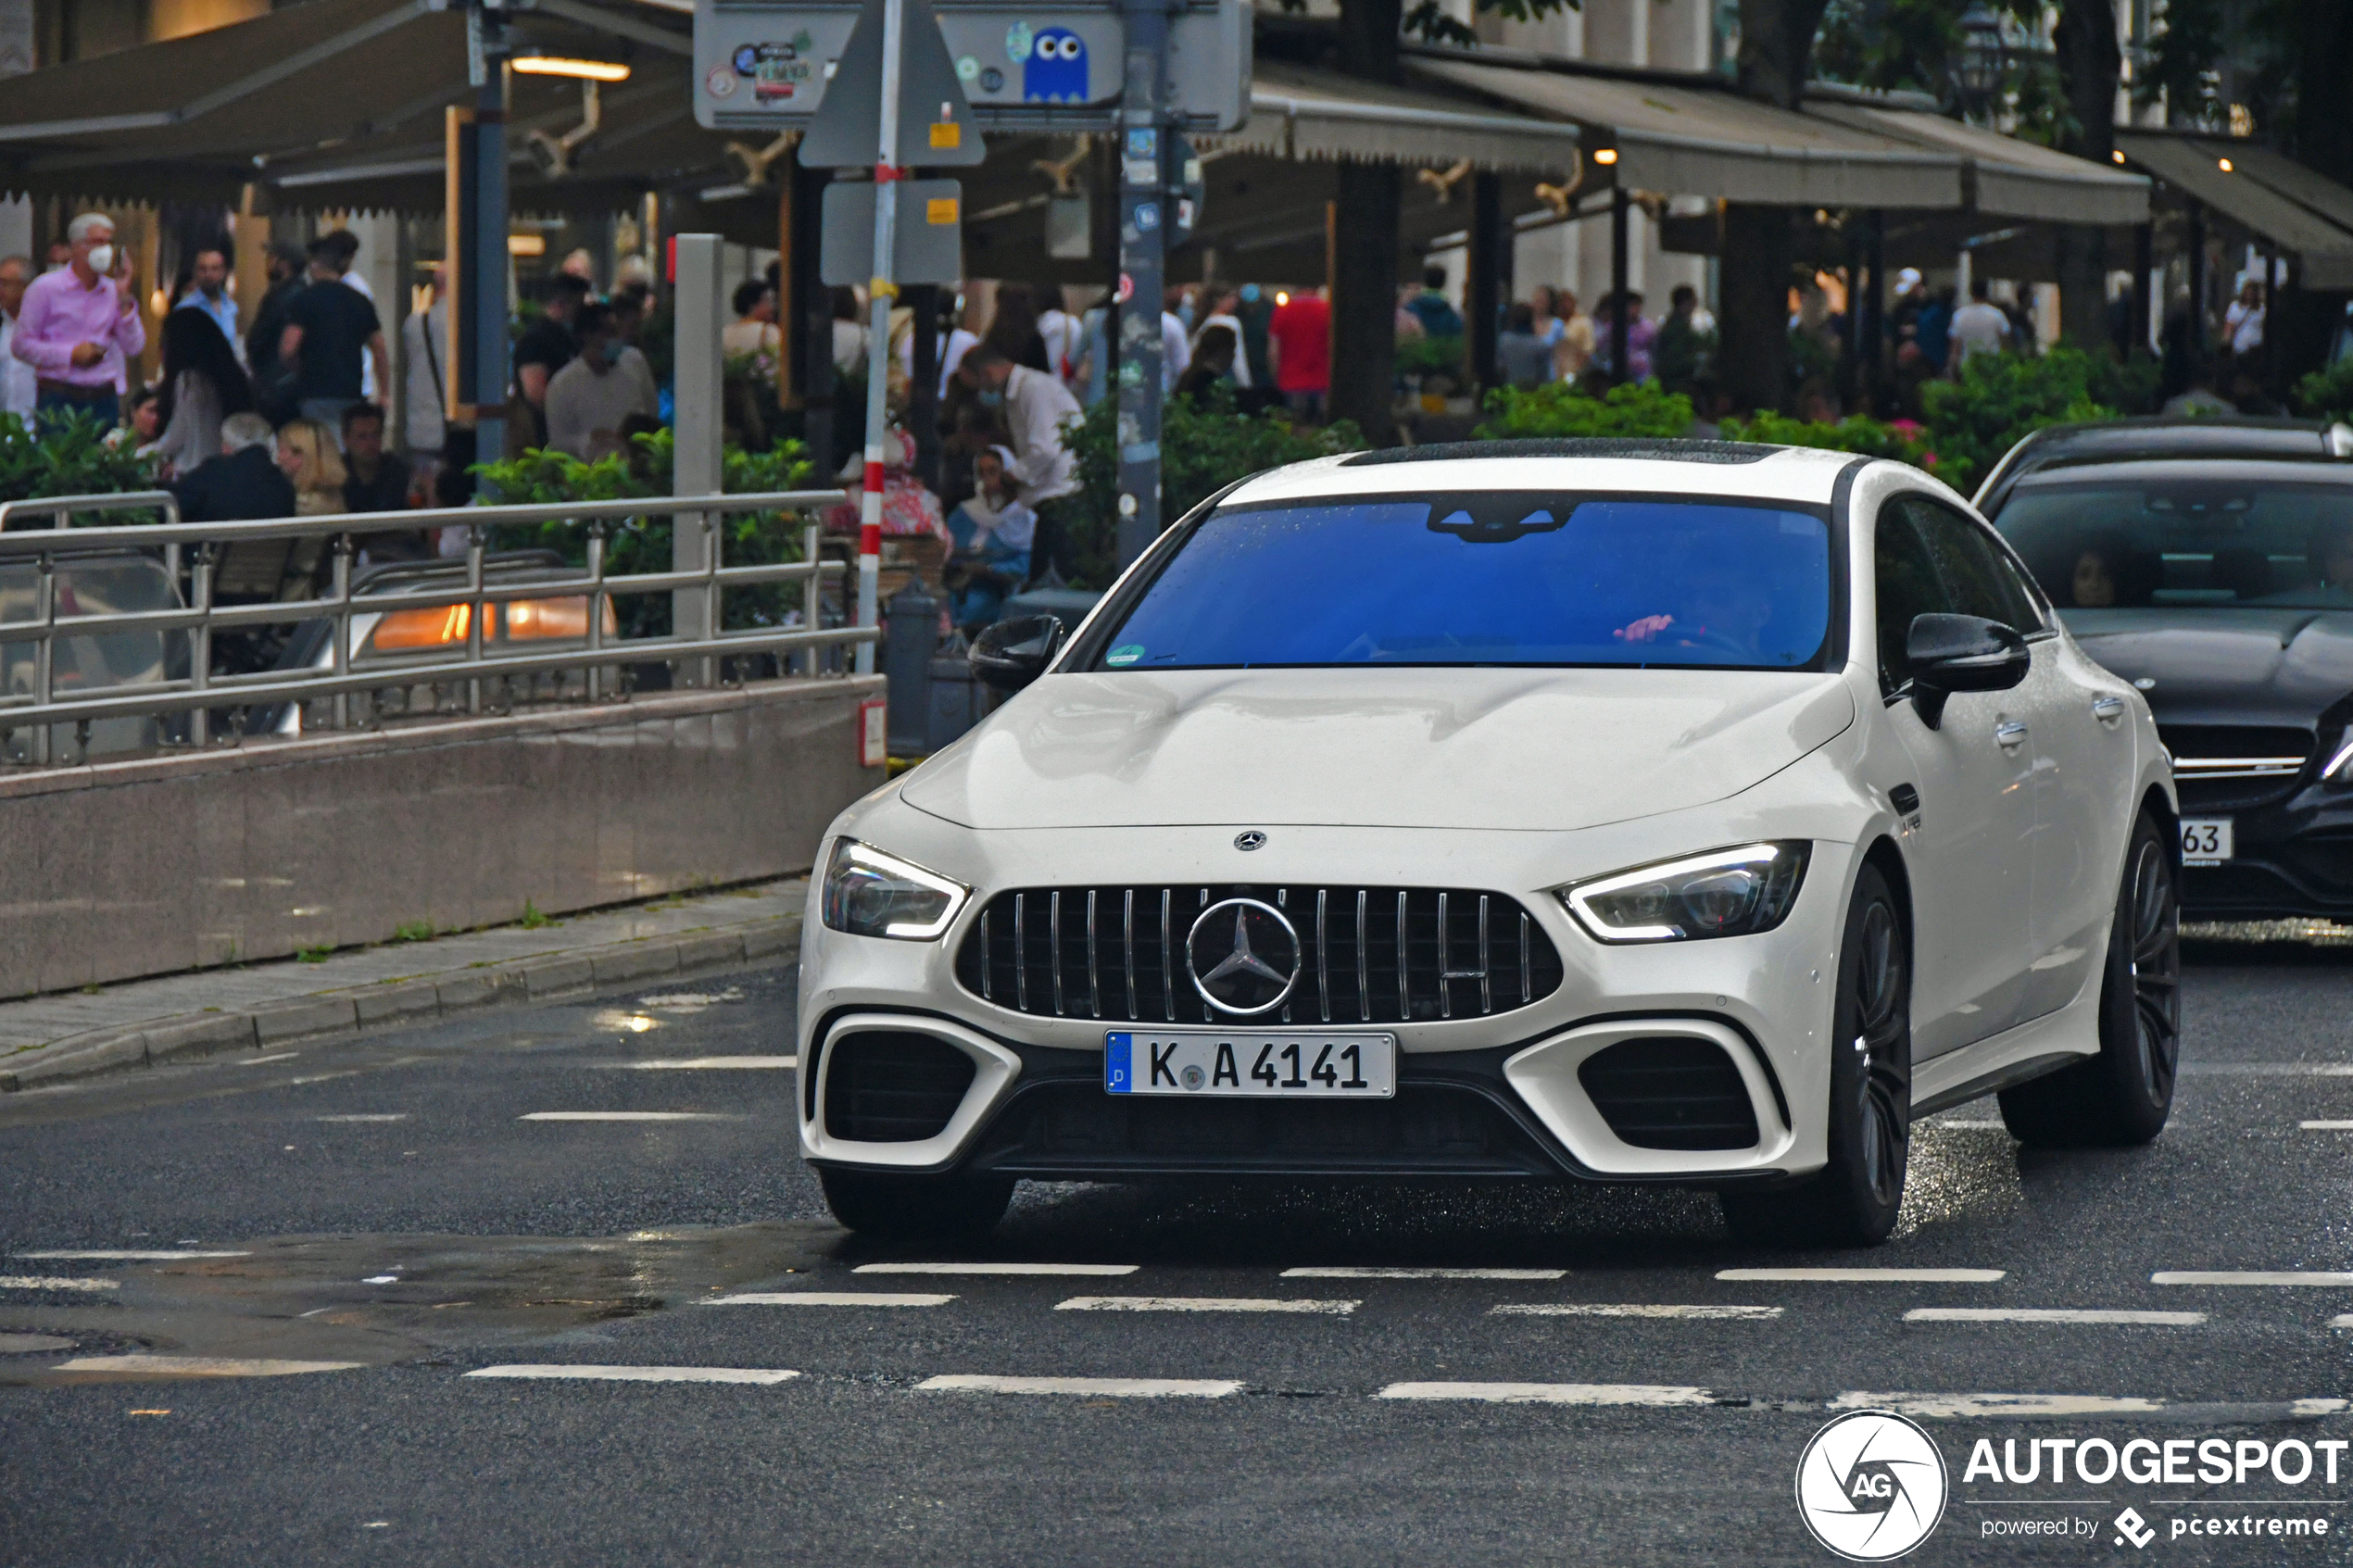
x=2206, y=841
x=1250, y=1064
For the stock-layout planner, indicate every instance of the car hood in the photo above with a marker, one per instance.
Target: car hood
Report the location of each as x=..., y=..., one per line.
x=2225, y=666
x=1377, y=747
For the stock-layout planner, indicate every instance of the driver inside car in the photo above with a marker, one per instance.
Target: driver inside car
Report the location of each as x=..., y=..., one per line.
x=1722, y=610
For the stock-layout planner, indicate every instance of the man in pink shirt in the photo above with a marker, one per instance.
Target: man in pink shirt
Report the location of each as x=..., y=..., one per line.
x=79, y=325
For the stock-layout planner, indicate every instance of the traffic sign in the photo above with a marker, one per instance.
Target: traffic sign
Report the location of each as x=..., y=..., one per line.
x=935, y=123
x=1060, y=68
x=927, y=242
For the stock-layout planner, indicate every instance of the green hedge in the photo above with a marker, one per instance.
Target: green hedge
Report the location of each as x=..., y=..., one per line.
x=1565, y=408
x=70, y=457
x=2326, y=394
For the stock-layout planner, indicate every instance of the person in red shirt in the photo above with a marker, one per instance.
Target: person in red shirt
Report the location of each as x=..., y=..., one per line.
x=1298, y=341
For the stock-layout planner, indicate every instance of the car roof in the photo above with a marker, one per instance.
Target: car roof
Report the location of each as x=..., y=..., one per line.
x=2143, y=470
x=2156, y=436
x=1799, y=474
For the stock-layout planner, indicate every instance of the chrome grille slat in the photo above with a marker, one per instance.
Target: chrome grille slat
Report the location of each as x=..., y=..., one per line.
x=1429, y=966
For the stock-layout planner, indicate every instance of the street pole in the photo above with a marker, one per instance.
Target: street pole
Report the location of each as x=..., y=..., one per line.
x=1143, y=182
x=880, y=293
x=485, y=232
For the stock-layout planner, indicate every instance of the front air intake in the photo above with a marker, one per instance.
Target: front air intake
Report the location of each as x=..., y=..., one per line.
x=1670, y=1092
x=893, y=1085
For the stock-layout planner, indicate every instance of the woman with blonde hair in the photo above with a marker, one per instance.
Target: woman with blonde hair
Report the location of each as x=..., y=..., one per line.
x=307, y=454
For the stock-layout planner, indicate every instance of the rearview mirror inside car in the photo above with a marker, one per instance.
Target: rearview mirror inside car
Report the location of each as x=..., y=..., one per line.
x=1961, y=653
x=1012, y=653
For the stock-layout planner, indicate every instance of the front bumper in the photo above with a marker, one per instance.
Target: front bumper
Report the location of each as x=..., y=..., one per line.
x=2294, y=859
x=1504, y=1096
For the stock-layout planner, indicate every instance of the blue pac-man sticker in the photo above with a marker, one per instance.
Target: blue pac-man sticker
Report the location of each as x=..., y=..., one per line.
x=1056, y=71
x=1116, y=1055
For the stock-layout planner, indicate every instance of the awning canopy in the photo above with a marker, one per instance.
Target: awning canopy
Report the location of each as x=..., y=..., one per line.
x=2011, y=178
x=1690, y=140
x=2275, y=199
x=1299, y=113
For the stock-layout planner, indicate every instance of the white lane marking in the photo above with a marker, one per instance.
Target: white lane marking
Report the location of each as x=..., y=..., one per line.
x=1995, y=1126
x=690, y=1001
x=1550, y=1393
x=53, y=1282
x=2266, y=1068
x=643, y=1373
x=273, y=1055
x=376, y=1116
x=1868, y=1277
x=202, y=1366
x=826, y=1298
x=31, y=1343
x=1203, y=1304
x=124, y=1255
x=2319, y=1407
x=625, y=1116
x=2251, y=1276
x=1424, y=1273
x=1628, y=1310
x=2325, y=1126
x=1991, y=1404
x=2341, y=1319
x=2052, y=1314
x=1098, y=1388
x=707, y=1063
x=1091, y=1269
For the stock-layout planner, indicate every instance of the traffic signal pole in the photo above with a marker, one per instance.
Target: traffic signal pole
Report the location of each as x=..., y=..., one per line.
x=1143, y=231
x=880, y=294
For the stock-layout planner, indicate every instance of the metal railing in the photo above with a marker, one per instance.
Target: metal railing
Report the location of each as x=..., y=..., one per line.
x=202, y=690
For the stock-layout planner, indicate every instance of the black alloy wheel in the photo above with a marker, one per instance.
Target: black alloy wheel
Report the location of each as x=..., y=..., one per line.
x=1855, y=1199
x=2123, y=1095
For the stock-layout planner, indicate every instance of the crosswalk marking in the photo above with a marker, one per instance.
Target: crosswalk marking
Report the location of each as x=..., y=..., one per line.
x=2052, y=1314
x=1099, y=1387
x=709, y=1064
x=122, y=1255
x=1628, y=1310
x=203, y=1366
x=2251, y=1276
x=626, y=1116
x=1993, y=1404
x=1551, y=1392
x=1866, y=1276
x=56, y=1282
x=826, y=1298
x=1007, y=1269
x=642, y=1373
x=1424, y=1273
x=1204, y=1304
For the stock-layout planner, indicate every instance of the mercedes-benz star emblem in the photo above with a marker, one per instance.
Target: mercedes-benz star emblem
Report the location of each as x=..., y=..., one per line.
x=1243, y=957
x=1253, y=839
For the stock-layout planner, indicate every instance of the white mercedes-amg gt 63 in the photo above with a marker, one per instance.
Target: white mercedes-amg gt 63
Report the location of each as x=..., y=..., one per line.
x=1608, y=811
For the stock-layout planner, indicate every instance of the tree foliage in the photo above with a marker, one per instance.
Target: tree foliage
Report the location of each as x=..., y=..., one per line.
x=2326, y=393
x=71, y=455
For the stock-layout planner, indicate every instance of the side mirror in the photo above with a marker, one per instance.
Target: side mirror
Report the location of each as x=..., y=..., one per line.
x=1961, y=653
x=1012, y=653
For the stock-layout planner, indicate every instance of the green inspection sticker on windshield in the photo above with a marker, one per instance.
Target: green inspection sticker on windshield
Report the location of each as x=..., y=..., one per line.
x=1126, y=654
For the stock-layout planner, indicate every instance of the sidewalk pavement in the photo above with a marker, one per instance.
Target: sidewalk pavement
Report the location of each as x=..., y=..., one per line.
x=50, y=1039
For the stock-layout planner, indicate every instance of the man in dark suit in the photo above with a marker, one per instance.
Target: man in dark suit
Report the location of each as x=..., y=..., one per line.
x=243, y=482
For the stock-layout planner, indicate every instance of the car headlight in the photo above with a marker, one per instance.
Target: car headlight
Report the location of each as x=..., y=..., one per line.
x=869, y=892
x=1724, y=893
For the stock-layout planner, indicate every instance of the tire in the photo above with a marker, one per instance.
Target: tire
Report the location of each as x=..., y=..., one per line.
x=1853, y=1201
x=2122, y=1095
x=886, y=1206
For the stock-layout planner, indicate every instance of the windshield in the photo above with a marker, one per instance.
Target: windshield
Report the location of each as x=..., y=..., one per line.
x=2186, y=543
x=1488, y=578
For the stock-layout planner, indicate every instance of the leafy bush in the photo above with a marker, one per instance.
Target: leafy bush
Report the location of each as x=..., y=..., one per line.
x=2326, y=394
x=71, y=455
x=1562, y=408
x=1429, y=357
x=545, y=476
x=1205, y=444
x=2001, y=397
x=1873, y=438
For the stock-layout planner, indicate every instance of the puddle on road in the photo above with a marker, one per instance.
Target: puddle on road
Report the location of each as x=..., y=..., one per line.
x=385, y=1298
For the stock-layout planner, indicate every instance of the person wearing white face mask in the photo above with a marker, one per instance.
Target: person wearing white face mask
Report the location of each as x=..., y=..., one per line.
x=80, y=327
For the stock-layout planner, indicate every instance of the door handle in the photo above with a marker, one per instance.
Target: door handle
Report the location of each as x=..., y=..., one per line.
x=2010, y=733
x=2108, y=709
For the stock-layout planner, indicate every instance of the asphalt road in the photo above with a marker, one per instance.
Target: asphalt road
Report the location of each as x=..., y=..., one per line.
x=389, y=1209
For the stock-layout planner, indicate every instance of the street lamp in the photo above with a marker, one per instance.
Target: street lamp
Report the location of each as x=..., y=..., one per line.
x=1982, y=58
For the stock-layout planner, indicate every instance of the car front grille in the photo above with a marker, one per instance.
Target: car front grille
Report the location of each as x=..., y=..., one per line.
x=1367, y=955
x=2233, y=766
x=1670, y=1092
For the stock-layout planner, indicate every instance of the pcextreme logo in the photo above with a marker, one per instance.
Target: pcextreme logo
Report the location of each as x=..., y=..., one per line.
x=1871, y=1486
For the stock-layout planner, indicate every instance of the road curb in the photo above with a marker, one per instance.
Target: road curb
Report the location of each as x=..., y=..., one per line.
x=414, y=999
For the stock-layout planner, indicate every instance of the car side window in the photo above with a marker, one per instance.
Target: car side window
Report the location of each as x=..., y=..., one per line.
x=1977, y=577
x=1907, y=586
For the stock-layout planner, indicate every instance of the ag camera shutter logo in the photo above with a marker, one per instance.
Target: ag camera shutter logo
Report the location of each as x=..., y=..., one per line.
x=1871, y=1486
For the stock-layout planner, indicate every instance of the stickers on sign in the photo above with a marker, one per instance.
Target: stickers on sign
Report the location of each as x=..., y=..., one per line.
x=1017, y=42
x=1147, y=217
x=967, y=68
x=1057, y=68
x=720, y=82
x=991, y=79
x=747, y=59
x=1127, y=653
x=940, y=209
x=945, y=134
x=1127, y=287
